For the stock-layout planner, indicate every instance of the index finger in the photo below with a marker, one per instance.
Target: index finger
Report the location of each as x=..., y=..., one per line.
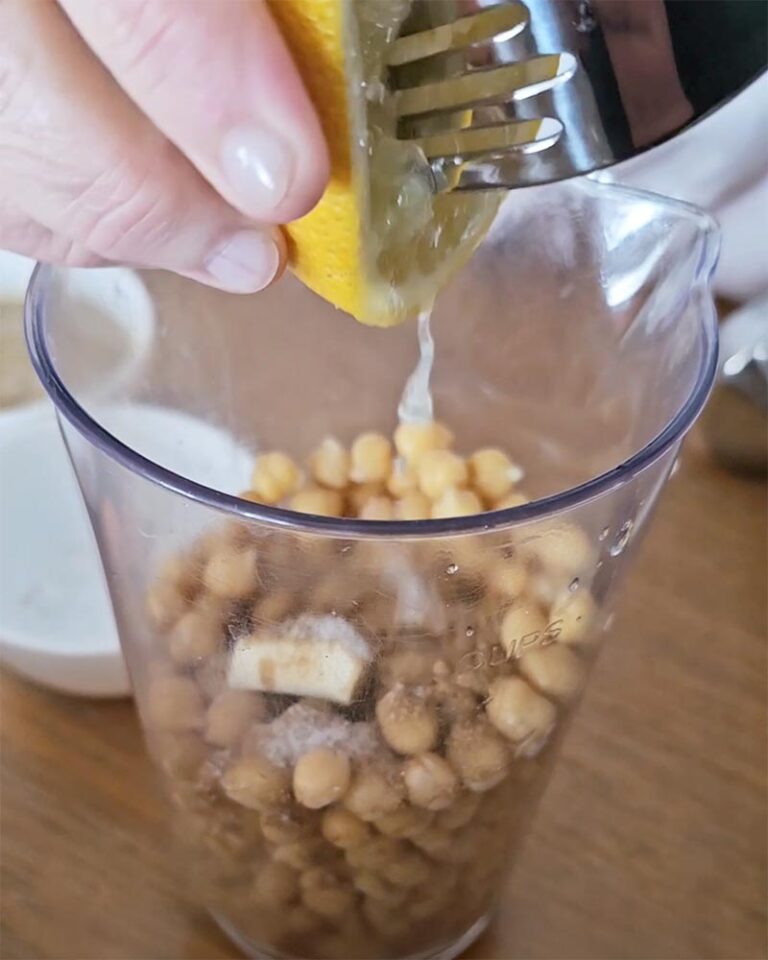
x=219, y=81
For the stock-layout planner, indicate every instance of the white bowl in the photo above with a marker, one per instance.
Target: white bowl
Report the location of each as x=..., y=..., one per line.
x=56, y=623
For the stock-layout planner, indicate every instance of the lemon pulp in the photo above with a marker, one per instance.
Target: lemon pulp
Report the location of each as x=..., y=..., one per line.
x=380, y=243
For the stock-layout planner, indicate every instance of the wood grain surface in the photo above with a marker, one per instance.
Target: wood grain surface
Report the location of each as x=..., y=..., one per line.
x=650, y=841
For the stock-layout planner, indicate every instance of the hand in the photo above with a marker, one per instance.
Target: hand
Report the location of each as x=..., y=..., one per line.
x=158, y=133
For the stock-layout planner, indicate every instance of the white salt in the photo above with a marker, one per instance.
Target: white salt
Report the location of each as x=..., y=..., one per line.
x=304, y=727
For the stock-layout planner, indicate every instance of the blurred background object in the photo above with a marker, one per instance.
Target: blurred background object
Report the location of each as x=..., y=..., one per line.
x=736, y=418
x=56, y=622
x=721, y=164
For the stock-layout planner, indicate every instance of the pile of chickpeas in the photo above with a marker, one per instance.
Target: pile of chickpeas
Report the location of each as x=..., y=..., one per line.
x=378, y=825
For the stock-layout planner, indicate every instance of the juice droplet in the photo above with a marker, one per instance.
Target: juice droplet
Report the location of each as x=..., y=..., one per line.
x=573, y=586
x=416, y=402
x=469, y=632
x=625, y=531
x=604, y=534
x=451, y=569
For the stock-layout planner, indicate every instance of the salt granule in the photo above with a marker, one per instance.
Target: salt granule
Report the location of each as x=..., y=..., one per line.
x=304, y=727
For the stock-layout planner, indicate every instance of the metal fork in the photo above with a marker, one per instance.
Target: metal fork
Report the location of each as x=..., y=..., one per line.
x=501, y=95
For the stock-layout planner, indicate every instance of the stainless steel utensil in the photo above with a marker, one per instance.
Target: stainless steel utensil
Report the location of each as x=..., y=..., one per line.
x=505, y=95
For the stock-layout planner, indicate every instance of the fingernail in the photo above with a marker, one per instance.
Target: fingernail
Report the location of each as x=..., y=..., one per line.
x=259, y=166
x=247, y=262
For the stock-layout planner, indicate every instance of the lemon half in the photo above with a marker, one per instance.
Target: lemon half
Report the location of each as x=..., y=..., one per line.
x=380, y=243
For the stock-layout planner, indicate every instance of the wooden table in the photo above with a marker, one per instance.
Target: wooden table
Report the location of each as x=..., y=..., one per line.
x=650, y=842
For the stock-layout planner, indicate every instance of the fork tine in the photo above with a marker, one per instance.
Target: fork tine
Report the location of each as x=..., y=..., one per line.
x=499, y=23
x=527, y=136
x=513, y=81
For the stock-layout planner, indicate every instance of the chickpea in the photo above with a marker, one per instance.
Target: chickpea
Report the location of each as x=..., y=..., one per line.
x=275, y=477
x=461, y=850
x=374, y=791
x=331, y=901
x=508, y=579
x=474, y=679
x=375, y=854
x=273, y=607
x=493, y=474
x=321, y=777
x=330, y=464
x=300, y=854
x=408, y=723
x=376, y=610
x=211, y=675
x=435, y=841
x=359, y=495
x=377, y=508
x=459, y=703
x=430, y=782
x=413, y=505
x=518, y=712
x=545, y=589
x=409, y=870
x=402, y=480
x=318, y=501
x=165, y=603
x=439, y=470
x=576, y=613
x=412, y=440
x=276, y=885
x=521, y=623
x=460, y=813
x=181, y=755
x=456, y=702
x=343, y=829
x=478, y=755
x=563, y=550
x=174, y=703
x=197, y=634
x=554, y=669
x=515, y=499
x=371, y=458
x=335, y=592
x=230, y=714
x=318, y=877
x=256, y=783
x=280, y=826
x=181, y=571
x=230, y=573
x=405, y=822
x=411, y=665
x=456, y=503
x=377, y=888
x=229, y=535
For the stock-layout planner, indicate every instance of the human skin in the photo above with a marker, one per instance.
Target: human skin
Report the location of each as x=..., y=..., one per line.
x=174, y=134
